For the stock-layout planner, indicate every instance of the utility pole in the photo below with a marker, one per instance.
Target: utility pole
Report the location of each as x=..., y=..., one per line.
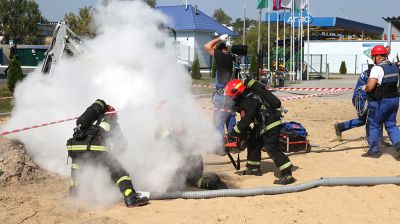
x=244, y=23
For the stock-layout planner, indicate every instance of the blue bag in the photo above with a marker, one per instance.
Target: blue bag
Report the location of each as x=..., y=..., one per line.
x=293, y=130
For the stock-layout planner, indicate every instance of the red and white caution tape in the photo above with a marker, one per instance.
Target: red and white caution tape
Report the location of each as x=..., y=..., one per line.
x=310, y=89
x=203, y=86
x=290, y=88
x=313, y=95
x=36, y=126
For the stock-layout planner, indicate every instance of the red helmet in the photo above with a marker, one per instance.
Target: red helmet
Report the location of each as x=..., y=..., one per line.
x=234, y=88
x=379, y=50
x=111, y=112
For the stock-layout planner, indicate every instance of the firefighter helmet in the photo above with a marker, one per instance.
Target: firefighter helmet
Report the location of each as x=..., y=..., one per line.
x=379, y=50
x=234, y=88
x=111, y=112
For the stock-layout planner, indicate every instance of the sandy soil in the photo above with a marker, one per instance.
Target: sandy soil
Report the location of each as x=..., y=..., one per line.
x=45, y=200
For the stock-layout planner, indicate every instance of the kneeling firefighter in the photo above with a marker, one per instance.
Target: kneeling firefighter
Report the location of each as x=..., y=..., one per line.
x=193, y=167
x=259, y=106
x=96, y=130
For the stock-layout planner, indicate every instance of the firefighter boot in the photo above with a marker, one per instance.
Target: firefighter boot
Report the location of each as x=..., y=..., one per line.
x=135, y=199
x=252, y=169
x=338, y=133
x=211, y=182
x=286, y=177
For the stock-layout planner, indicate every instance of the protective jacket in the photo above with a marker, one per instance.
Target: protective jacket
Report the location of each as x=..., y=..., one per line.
x=257, y=105
x=388, y=87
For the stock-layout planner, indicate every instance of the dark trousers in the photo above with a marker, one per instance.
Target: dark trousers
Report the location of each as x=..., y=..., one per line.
x=118, y=174
x=270, y=142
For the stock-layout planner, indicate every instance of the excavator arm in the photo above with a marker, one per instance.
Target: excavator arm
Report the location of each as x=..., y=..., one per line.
x=63, y=39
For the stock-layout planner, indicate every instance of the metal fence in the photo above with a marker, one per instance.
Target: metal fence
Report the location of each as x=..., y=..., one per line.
x=330, y=63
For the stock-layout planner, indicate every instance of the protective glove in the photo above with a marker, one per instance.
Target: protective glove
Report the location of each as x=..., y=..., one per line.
x=362, y=88
x=224, y=37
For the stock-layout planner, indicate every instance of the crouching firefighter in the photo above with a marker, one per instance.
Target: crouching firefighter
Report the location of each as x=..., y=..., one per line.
x=192, y=169
x=259, y=106
x=96, y=130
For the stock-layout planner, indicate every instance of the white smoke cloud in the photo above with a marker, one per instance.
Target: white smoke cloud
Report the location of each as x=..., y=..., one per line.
x=123, y=66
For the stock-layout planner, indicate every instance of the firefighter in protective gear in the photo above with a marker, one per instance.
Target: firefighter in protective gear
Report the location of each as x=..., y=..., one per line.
x=259, y=106
x=97, y=130
x=192, y=170
x=383, y=97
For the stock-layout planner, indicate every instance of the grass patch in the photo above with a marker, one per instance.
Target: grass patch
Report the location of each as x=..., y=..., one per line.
x=203, y=81
x=5, y=104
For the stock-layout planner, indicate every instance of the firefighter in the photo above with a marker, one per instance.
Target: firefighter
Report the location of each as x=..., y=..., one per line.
x=383, y=100
x=259, y=106
x=192, y=169
x=97, y=131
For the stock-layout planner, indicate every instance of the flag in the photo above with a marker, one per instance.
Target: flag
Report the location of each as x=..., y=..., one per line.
x=286, y=4
x=301, y=4
x=262, y=4
x=298, y=4
x=277, y=4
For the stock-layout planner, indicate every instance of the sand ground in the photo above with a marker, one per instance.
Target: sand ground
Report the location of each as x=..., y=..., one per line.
x=46, y=200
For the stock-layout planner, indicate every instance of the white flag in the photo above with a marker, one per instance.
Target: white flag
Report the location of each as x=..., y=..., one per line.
x=287, y=4
x=298, y=4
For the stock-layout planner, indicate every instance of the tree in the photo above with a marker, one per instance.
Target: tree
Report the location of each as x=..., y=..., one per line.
x=14, y=74
x=254, y=65
x=213, y=68
x=19, y=19
x=343, y=69
x=81, y=24
x=151, y=3
x=195, y=73
x=221, y=17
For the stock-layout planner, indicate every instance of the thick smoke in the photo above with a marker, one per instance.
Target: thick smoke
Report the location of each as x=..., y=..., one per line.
x=125, y=66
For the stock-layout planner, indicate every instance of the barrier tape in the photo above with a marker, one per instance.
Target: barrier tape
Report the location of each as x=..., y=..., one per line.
x=289, y=88
x=163, y=104
x=313, y=95
x=310, y=89
x=43, y=125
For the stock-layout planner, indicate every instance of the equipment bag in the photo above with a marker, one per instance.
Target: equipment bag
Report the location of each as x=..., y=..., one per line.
x=293, y=137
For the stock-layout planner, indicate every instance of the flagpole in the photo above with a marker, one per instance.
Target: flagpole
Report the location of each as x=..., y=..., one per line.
x=308, y=41
x=259, y=31
x=277, y=39
x=284, y=38
x=293, y=41
x=269, y=36
x=244, y=23
x=301, y=41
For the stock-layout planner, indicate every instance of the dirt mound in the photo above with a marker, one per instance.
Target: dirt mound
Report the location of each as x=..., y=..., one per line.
x=16, y=167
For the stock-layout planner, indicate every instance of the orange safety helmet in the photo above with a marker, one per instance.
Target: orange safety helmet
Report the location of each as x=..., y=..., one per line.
x=379, y=50
x=111, y=112
x=234, y=88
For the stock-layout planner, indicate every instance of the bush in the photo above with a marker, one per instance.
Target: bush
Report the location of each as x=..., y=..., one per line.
x=195, y=73
x=254, y=65
x=14, y=74
x=213, y=69
x=343, y=69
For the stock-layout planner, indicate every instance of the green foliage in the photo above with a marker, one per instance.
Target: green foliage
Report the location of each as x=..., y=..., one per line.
x=14, y=74
x=254, y=65
x=82, y=23
x=19, y=19
x=221, y=17
x=343, y=69
x=151, y=3
x=195, y=73
x=213, y=68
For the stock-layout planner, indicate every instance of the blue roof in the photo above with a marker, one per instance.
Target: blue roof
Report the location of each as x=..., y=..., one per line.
x=329, y=22
x=187, y=20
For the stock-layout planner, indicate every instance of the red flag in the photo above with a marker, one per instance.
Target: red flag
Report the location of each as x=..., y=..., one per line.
x=277, y=4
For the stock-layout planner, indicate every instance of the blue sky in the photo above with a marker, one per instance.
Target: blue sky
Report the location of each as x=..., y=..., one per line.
x=367, y=11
